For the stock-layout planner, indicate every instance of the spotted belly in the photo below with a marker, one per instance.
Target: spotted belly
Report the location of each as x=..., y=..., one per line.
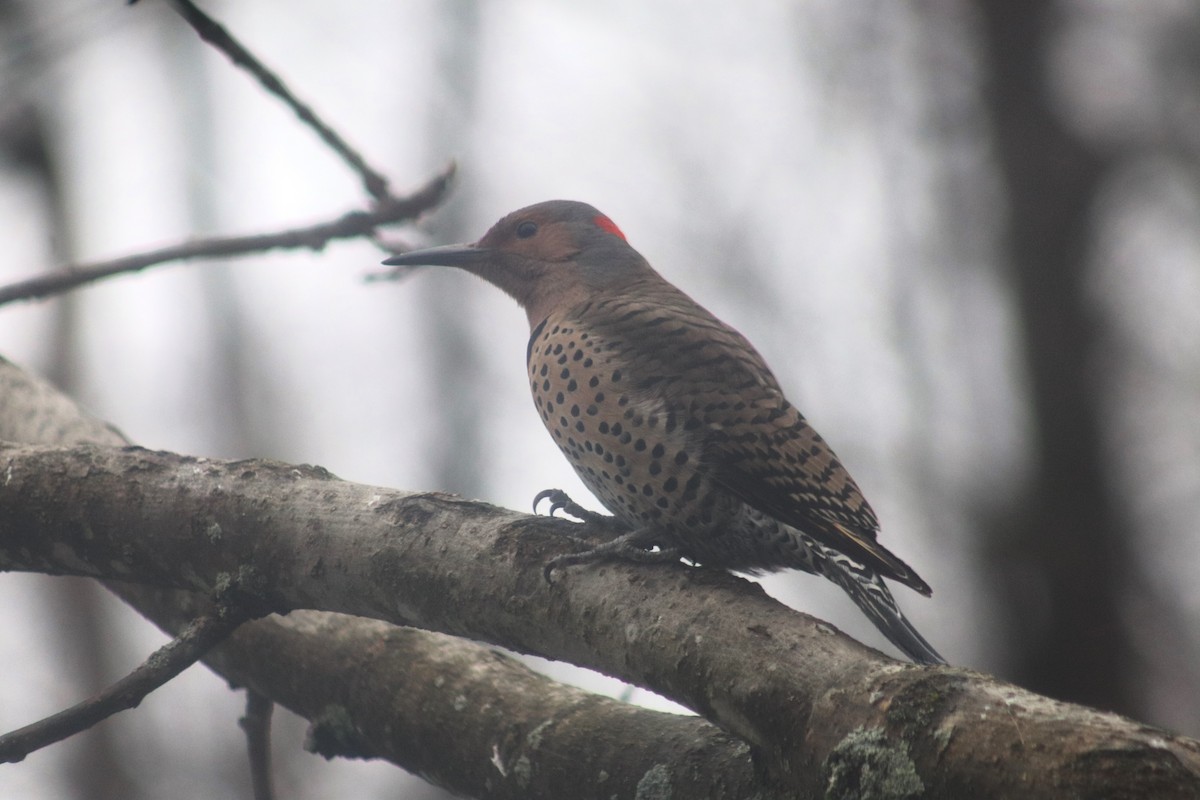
x=637, y=456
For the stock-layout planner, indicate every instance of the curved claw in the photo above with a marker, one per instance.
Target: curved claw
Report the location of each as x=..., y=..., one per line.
x=557, y=497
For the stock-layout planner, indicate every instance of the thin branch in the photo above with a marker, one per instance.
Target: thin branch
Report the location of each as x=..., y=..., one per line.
x=314, y=237
x=257, y=725
x=168, y=661
x=215, y=34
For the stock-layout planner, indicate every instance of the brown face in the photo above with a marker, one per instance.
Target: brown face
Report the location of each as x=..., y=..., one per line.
x=532, y=234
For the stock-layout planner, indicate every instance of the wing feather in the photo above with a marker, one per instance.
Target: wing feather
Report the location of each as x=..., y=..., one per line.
x=759, y=447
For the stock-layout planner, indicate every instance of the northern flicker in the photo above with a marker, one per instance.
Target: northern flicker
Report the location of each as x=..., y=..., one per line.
x=673, y=419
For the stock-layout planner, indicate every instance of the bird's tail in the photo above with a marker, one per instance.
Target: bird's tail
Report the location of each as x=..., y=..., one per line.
x=872, y=596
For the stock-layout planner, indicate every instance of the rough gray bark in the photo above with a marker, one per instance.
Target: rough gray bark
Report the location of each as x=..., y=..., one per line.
x=824, y=714
x=501, y=729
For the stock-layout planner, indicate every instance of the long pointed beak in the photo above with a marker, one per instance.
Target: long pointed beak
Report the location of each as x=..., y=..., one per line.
x=450, y=255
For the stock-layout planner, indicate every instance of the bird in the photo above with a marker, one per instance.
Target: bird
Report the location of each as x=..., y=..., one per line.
x=673, y=419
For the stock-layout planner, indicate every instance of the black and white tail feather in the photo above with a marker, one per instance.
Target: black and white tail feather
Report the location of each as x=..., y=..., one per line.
x=873, y=598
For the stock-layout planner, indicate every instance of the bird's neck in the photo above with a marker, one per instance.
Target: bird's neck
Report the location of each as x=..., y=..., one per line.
x=544, y=300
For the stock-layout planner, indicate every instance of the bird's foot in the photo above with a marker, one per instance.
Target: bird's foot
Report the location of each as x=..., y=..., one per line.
x=561, y=501
x=632, y=546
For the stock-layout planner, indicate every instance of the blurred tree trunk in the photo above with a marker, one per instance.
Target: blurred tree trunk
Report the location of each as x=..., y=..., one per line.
x=78, y=624
x=453, y=361
x=1062, y=562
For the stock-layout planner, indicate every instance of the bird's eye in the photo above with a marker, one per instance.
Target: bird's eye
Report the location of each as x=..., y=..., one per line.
x=526, y=229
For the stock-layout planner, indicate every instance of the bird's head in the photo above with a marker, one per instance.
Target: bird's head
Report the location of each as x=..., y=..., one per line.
x=548, y=256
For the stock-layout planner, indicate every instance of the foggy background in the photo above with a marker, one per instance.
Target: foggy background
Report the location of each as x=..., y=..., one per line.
x=964, y=233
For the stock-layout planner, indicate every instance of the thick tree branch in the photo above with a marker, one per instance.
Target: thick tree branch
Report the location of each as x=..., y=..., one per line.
x=457, y=713
x=431, y=700
x=820, y=709
x=352, y=224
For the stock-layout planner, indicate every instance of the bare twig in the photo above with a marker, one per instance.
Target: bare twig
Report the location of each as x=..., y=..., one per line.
x=215, y=34
x=257, y=725
x=349, y=225
x=168, y=661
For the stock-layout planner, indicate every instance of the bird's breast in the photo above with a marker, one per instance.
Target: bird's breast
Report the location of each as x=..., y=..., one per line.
x=633, y=449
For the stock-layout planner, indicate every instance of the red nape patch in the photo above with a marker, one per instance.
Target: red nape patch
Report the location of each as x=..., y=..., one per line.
x=606, y=224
